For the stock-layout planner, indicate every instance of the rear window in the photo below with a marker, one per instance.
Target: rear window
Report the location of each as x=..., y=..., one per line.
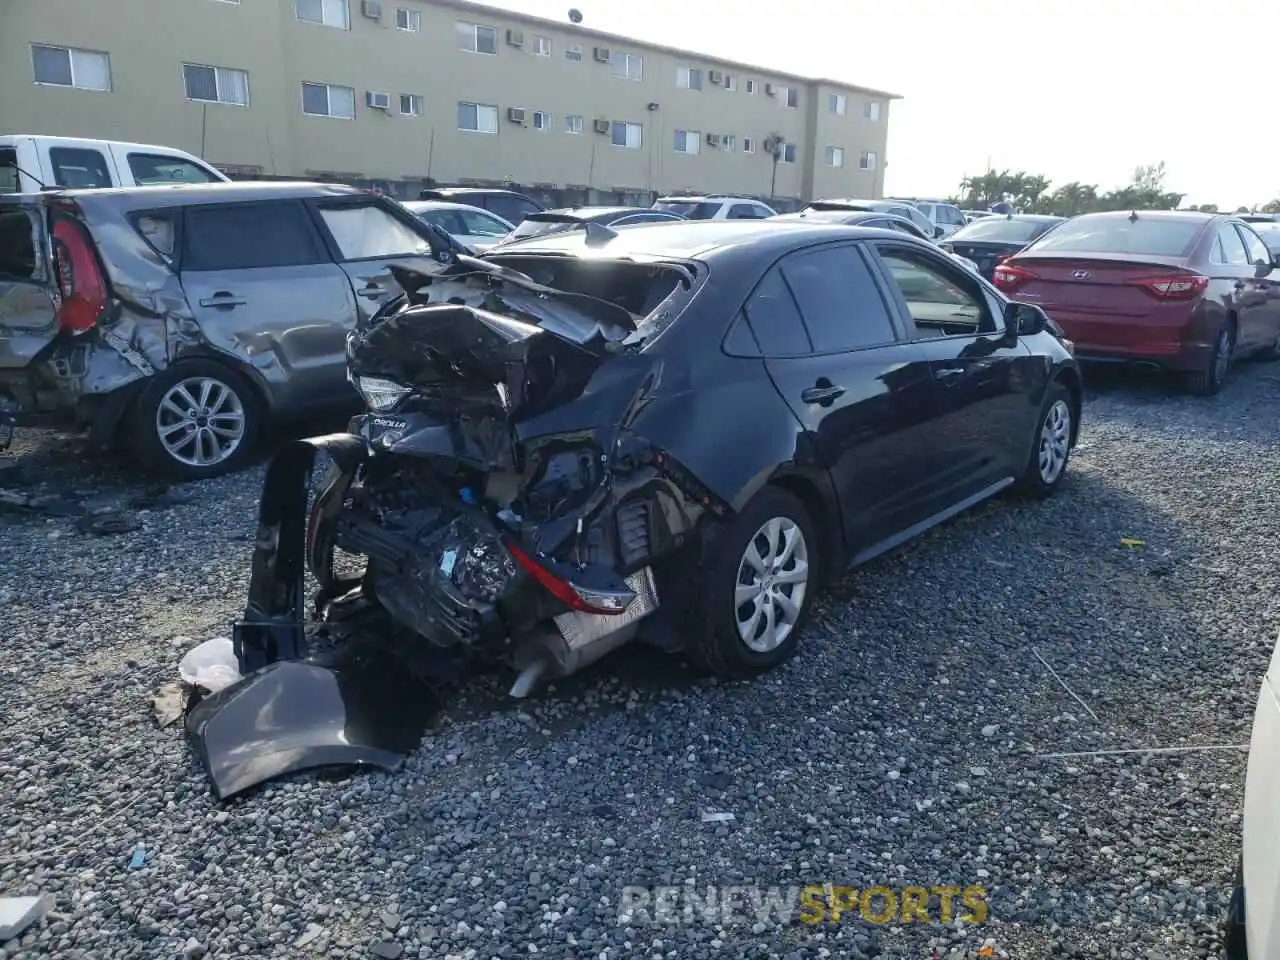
x=18, y=253
x=242, y=236
x=536, y=228
x=690, y=210
x=1154, y=236
x=76, y=167
x=149, y=169
x=997, y=230
x=9, y=171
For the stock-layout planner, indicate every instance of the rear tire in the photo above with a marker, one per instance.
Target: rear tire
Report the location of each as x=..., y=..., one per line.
x=196, y=419
x=756, y=591
x=1051, y=450
x=1208, y=382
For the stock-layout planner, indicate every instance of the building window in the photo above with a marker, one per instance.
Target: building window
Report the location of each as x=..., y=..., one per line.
x=408, y=20
x=752, y=86
x=327, y=100
x=629, y=135
x=410, y=105
x=688, y=141
x=627, y=66
x=792, y=96
x=689, y=78
x=837, y=103
x=871, y=110
x=68, y=67
x=216, y=84
x=867, y=161
x=787, y=153
x=542, y=46
x=730, y=82
x=573, y=123
x=541, y=120
x=477, y=38
x=573, y=52
x=835, y=156
x=748, y=145
x=329, y=13
x=477, y=117
x=728, y=142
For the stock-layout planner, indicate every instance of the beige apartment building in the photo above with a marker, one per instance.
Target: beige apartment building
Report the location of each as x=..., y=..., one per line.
x=405, y=90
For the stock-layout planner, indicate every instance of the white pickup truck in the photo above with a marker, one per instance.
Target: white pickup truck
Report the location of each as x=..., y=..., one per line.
x=29, y=164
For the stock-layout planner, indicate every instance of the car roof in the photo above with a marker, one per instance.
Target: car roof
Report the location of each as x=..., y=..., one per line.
x=1196, y=215
x=710, y=198
x=1026, y=217
x=421, y=206
x=465, y=190
x=183, y=194
x=840, y=216
x=695, y=239
x=590, y=212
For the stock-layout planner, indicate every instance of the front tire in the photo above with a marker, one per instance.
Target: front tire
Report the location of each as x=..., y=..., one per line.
x=1208, y=382
x=757, y=589
x=1047, y=465
x=196, y=419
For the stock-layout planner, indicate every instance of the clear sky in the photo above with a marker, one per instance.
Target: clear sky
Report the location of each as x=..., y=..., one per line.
x=1082, y=90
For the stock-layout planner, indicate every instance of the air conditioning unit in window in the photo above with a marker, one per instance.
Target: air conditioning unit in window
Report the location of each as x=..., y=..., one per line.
x=515, y=115
x=601, y=54
x=770, y=90
x=715, y=76
x=515, y=38
x=375, y=100
x=713, y=139
x=371, y=9
x=600, y=126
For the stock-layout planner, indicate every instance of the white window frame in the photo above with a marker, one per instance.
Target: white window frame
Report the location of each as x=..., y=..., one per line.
x=626, y=60
x=688, y=138
x=753, y=87
x=475, y=38
x=480, y=106
x=838, y=104
x=415, y=100
x=748, y=145
x=730, y=82
x=868, y=160
x=573, y=53
x=728, y=142
x=834, y=156
x=871, y=110
x=631, y=127
x=573, y=124
x=685, y=77
x=785, y=95
x=328, y=88
x=323, y=22
x=545, y=125
x=541, y=46
x=71, y=63
x=412, y=20
x=783, y=155
x=217, y=84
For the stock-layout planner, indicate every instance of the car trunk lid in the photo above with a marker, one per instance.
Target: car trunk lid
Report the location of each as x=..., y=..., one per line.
x=1098, y=284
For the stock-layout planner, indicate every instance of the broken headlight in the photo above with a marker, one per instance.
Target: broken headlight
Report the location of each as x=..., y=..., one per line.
x=380, y=394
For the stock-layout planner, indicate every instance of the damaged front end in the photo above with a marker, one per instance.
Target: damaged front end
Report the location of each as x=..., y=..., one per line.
x=501, y=492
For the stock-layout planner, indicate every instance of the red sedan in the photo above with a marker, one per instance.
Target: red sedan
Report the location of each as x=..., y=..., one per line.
x=1189, y=292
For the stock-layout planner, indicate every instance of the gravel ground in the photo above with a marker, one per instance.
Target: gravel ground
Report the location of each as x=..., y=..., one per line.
x=903, y=746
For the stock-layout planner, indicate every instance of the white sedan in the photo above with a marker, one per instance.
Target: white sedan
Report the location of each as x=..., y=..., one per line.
x=471, y=226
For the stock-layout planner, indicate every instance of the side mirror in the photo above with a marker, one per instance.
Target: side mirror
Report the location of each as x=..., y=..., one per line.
x=1025, y=319
x=1263, y=267
x=938, y=232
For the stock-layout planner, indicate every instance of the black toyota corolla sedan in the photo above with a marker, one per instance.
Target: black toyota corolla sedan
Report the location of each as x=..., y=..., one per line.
x=987, y=242
x=670, y=433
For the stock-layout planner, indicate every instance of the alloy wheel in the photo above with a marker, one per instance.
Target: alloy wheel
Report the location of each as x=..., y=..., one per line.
x=773, y=578
x=1055, y=441
x=200, y=421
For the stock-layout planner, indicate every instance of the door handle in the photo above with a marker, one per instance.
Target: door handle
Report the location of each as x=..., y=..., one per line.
x=948, y=373
x=371, y=292
x=822, y=393
x=222, y=299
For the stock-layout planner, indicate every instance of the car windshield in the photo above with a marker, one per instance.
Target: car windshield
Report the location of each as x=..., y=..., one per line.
x=537, y=228
x=1152, y=236
x=1269, y=231
x=1000, y=230
x=689, y=209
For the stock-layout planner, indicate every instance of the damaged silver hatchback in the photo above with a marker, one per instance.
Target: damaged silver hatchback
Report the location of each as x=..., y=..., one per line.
x=182, y=321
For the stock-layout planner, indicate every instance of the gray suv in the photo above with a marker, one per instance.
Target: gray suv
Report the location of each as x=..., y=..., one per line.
x=183, y=320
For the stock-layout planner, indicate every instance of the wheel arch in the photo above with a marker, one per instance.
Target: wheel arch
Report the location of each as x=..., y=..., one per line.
x=820, y=503
x=1069, y=377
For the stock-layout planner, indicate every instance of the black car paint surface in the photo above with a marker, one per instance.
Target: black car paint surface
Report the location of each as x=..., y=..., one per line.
x=989, y=240
x=624, y=445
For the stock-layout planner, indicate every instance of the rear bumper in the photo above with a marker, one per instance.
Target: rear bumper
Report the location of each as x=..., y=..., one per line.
x=1110, y=341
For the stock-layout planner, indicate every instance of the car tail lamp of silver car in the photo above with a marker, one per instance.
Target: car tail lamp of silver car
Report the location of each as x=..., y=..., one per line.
x=82, y=286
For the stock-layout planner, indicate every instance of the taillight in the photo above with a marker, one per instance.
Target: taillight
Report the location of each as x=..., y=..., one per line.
x=575, y=596
x=1173, y=288
x=80, y=279
x=1008, y=277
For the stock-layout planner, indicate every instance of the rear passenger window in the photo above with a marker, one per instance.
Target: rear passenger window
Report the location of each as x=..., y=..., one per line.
x=9, y=170
x=239, y=236
x=744, y=211
x=154, y=168
x=775, y=319
x=74, y=167
x=838, y=299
